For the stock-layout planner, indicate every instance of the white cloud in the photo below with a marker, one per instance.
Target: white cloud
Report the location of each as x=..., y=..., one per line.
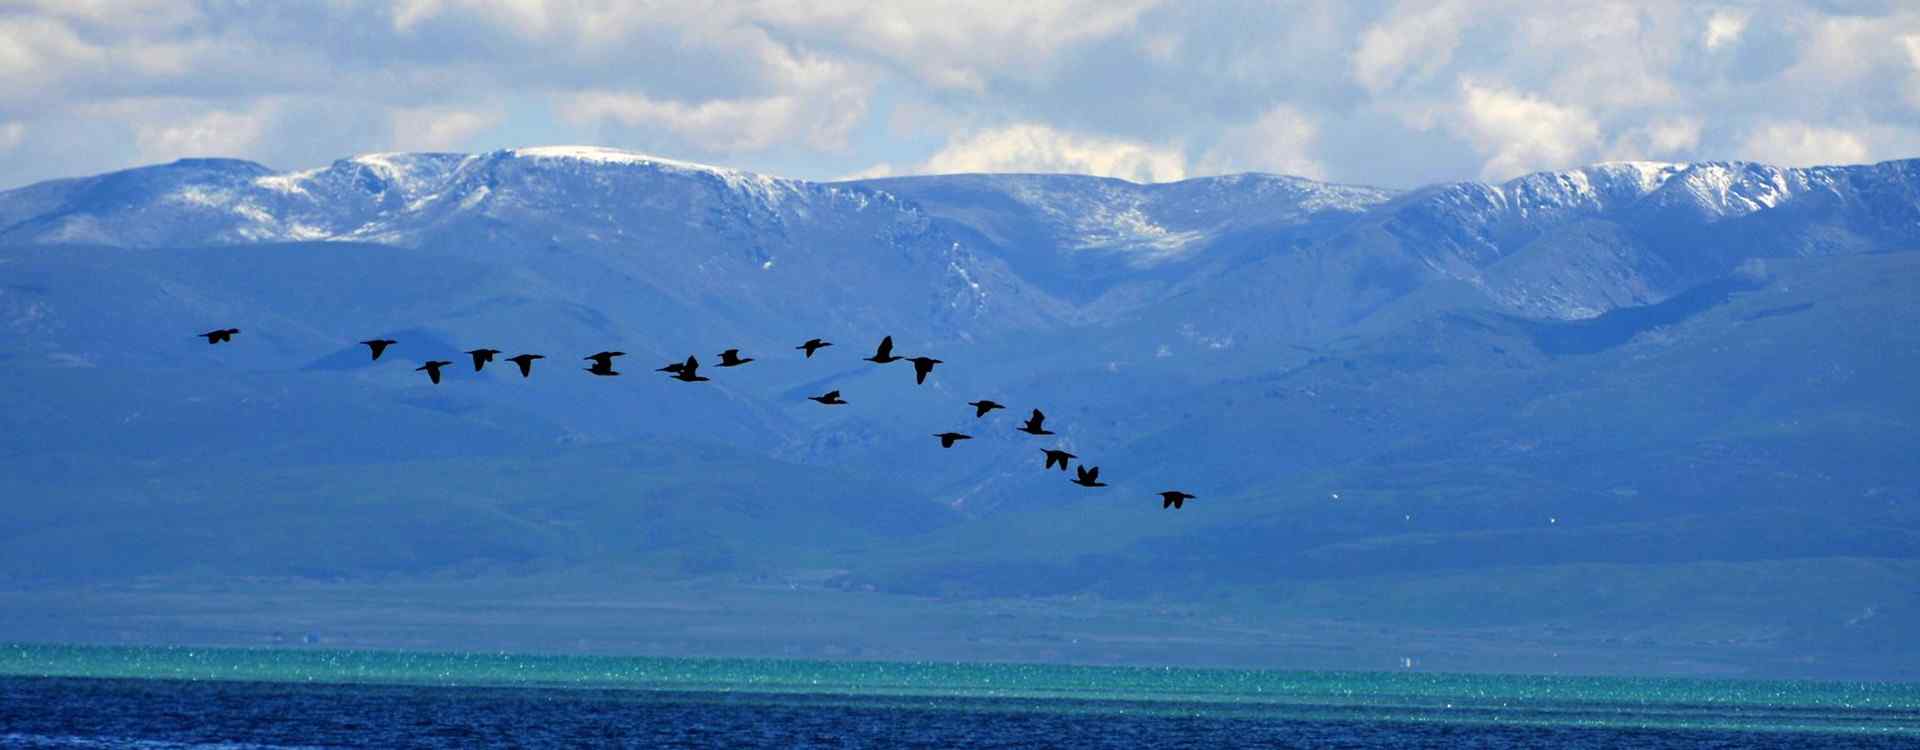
x=882, y=169
x=1409, y=43
x=1724, y=27
x=1519, y=133
x=441, y=128
x=730, y=125
x=1281, y=141
x=11, y=134
x=958, y=46
x=217, y=133
x=1797, y=144
x=1670, y=138
x=1037, y=148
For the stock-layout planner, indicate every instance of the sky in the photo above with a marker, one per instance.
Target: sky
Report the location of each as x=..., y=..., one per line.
x=1394, y=94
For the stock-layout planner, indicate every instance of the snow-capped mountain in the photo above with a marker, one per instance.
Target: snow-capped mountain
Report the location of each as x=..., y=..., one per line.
x=1062, y=248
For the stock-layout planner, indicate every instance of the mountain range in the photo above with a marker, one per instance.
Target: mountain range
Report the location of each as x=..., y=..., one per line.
x=1653, y=413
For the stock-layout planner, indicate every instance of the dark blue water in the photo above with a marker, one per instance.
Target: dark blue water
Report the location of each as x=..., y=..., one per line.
x=77, y=696
x=146, y=713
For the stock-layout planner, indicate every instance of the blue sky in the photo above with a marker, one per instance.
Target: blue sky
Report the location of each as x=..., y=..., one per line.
x=1384, y=93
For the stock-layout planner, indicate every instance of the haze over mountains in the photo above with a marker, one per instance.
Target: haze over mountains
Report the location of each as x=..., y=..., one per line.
x=1655, y=412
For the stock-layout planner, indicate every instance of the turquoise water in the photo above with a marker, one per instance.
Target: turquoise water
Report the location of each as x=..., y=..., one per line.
x=1274, y=700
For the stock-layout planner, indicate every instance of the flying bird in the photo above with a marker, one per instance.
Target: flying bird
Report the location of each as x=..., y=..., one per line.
x=1086, y=477
x=1057, y=457
x=481, y=357
x=525, y=361
x=1033, y=425
x=433, y=369
x=883, y=353
x=830, y=398
x=1173, y=499
x=604, y=360
x=690, y=371
x=922, y=366
x=224, y=334
x=813, y=345
x=947, y=439
x=981, y=407
x=605, y=371
x=379, y=346
x=731, y=358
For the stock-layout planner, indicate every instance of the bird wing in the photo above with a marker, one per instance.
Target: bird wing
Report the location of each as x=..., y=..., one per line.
x=526, y=366
x=885, y=349
x=831, y=395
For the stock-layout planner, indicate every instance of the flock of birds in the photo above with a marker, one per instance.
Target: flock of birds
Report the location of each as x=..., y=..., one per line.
x=689, y=372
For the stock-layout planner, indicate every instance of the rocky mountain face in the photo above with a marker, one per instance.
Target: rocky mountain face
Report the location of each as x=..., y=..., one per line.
x=1668, y=367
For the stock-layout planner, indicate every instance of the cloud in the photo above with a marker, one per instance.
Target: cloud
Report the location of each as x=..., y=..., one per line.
x=1280, y=141
x=164, y=130
x=11, y=134
x=1519, y=133
x=728, y=125
x=441, y=128
x=1030, y=147
x=876, y=171
x=1669, y=138
x=1408, y=44
x=1389, y=92
x=1798, y=144
x=1724, y=27
x=957, y=46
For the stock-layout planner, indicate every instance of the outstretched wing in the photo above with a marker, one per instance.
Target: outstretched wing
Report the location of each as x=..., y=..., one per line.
x=885, y=349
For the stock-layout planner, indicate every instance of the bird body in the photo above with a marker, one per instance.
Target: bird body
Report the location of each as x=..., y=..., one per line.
x=947, y=439
x=830, y=398
x=732, y=358
x=221, y=335
x=1035, y=424
x=481, y=357
x=1173, y=499
x=378, y=346
x=1057, y=457
x=605, y=371
x=690, y=371
x=604, y=360
x=525, y=361
x=981, y=407
x=813, y=345
x=1087, y=477
x=432, y=368
x=921, y=367
x=883, y=353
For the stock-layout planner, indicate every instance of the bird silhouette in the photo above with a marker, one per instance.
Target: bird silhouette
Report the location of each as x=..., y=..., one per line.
x=433, y=369
x=813, y=345
x=981, y=407
x=604, y=360
x=1033, y=425
x=481, y=357
x=379, y=346
x=830, y=398
x=1087, y=477
x=947, y=439
x=690, y=371
x=525, y=361
x=732, y=358
x=1057, y=457
x=922, y=366
x=883, y=353
x=1173, y=499
x=224, y=334
x=605, y=371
